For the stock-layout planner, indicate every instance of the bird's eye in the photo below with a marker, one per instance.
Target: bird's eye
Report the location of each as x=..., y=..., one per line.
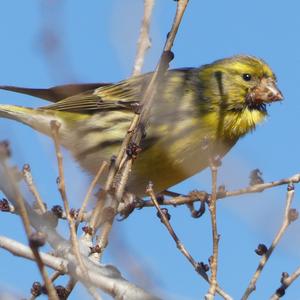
x=247, y=77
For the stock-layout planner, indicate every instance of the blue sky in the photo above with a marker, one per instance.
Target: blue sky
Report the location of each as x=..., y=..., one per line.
x=97, y=42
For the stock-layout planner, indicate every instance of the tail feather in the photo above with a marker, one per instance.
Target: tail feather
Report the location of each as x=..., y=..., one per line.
x=56, y=93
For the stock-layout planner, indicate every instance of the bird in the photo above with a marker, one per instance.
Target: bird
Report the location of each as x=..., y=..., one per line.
x=197, y=113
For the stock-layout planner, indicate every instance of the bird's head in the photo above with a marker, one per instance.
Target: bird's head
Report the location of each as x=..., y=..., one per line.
x=240, y=82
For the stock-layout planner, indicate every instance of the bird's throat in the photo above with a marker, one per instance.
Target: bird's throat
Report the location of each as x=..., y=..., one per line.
x=238, y=123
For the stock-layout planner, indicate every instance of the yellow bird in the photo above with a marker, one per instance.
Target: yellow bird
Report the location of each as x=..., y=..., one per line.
x=197, y=113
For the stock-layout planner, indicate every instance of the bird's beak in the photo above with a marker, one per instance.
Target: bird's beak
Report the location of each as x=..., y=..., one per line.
x=266, y=92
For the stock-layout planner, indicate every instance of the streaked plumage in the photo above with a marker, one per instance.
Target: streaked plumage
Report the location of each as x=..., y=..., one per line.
x=197, y=111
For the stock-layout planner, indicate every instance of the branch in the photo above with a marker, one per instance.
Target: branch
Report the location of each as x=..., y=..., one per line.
x=106, y=278
x=62, y=189
x=290, y=215
x=33, y=238
x=89, y=191
x=144, y=42
x=213, y=213
x=203, y=196
x=31, y=185
x=200, y=268
x=286, y=281
x=21, y=250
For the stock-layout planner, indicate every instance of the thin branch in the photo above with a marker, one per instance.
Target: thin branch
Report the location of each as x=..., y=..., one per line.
x=21, y=208
x=89, y=191
x=70, y=286
x=263, y=186
x=144, y=42
x=31, y=185
x=179, y=244
x=61, y=183
x=286, y=281
x=48, y=283
x=62, y=189
x=55, y=275
x=199, y=267
x=202, y=196
x=213, y=213
x=289, y=216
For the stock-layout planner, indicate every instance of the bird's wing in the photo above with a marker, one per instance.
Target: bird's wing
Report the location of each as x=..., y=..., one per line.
x=56, y=93
x=124, y=95
x=92, y=97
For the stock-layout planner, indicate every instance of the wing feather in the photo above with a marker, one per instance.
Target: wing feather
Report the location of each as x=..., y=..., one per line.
x=124, y=95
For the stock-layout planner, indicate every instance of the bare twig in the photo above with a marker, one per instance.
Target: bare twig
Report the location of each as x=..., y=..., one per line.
x=202, y=196
x=213, y=213
x=263, y=186
x=286, y=281
x=30, y=183
x=48, y=282
x=199, y=267
x=70, y=286
x=61, y=183
x=62, y=189
x=144, y=42
x=21, y=208
x=55, y=275
x=289, y=216
x=90, y=189
x=179, y=244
